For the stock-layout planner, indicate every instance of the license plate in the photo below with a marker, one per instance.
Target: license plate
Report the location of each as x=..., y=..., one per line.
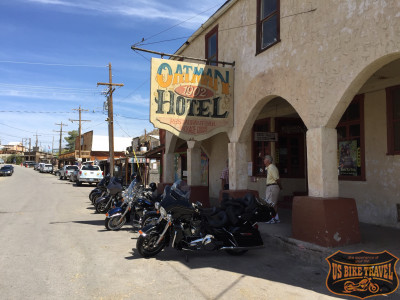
x=91, y=179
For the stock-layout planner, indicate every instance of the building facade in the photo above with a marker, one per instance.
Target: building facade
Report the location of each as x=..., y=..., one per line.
x=317, y=86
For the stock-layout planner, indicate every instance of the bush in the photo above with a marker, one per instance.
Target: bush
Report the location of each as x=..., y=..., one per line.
x=14, y=159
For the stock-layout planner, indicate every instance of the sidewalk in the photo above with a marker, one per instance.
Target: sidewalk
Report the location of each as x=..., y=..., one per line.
x=374, y=238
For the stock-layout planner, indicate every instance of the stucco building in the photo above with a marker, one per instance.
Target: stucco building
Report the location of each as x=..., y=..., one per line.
x=324, y=78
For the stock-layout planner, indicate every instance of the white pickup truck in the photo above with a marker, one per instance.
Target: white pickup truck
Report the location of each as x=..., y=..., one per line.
x=89, y=174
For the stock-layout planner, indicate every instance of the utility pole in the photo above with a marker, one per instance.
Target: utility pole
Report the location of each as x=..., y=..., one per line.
x=36, y=144
x=80, y=127
x=110, y=118
x=52, y=146
x=59, y=149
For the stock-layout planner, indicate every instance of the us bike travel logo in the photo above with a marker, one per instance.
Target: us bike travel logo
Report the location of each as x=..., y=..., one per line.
x=362, y=274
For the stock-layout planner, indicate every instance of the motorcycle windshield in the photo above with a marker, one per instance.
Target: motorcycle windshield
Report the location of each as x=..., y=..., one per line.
x=133, y=187
x=170, y=201
x=114, y=186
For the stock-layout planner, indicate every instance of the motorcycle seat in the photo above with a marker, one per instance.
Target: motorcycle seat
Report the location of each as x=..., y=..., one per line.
x=208, y=211
x=218, y=219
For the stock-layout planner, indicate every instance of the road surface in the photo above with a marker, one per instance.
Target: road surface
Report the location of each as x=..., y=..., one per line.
x=54, y=246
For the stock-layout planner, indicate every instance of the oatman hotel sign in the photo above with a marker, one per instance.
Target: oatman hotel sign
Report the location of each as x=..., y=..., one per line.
x=193, y=101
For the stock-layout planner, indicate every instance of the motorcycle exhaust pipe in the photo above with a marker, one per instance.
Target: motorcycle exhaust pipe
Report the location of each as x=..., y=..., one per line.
x=242, y=248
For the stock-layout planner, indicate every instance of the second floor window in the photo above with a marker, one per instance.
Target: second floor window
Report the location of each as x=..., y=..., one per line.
x=212, y=46
x=268, y=28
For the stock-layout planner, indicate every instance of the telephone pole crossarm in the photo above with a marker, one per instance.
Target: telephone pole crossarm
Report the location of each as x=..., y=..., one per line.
x=110, y=84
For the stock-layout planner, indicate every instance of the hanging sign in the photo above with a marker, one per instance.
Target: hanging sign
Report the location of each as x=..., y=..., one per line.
x=193, y=101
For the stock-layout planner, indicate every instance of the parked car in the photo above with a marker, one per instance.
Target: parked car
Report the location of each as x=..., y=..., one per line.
x=6, y=170
x=74, y=175
x=47, y=168
x=89, y=174
x=38, y=166
x=66, y=171
x=56, y=172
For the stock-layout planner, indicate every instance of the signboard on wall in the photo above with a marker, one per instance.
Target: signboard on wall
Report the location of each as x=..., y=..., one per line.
x=193, y=101
x=349, y=155
x=265, y=136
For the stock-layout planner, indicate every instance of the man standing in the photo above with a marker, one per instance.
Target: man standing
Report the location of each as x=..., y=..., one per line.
x=273, y=186
x=225, y=177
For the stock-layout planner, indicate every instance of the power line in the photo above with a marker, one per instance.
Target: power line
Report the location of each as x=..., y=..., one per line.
x=173, y=26
x=44, y=87
x=131, y=117
x=138, y=87
x=23, y=129
x=49, y=64
x=219, y=30
x=42, y=112
x=122, y=128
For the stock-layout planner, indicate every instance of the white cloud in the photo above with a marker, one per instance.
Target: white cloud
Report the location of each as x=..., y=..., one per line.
x=176, y=11
x=45, y=94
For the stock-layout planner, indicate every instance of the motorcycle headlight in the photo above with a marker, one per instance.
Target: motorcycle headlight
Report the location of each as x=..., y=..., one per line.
x=163, y=212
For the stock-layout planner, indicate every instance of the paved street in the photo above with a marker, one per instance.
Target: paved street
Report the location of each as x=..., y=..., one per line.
x=53, y=246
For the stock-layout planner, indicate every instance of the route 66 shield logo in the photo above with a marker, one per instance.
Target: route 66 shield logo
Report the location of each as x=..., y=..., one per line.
x=362, y=274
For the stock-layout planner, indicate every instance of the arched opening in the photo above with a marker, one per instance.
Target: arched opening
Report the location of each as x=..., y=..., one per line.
x=275, y=128
x=198, y=163
x=369, y=143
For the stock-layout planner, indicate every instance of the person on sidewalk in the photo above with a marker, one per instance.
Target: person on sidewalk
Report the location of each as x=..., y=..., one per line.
x=225, y=177
x=273, y=186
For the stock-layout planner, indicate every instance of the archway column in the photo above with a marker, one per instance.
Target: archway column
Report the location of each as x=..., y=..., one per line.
x=168, y=167
x=237, y=166
x=323, y=217
x=322, y=162
x=193, y=163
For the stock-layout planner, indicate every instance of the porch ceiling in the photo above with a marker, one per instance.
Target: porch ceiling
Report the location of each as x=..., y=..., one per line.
x=386, y=76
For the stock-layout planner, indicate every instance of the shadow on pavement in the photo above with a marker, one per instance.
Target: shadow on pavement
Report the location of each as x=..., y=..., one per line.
x=91, y=222
x=268, y=263
x=271, y=263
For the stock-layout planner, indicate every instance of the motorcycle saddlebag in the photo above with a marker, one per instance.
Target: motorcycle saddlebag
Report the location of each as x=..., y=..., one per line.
x=247, y=237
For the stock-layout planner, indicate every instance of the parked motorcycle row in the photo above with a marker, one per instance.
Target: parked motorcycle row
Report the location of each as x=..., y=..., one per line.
x=124, y=204
x=171, y=220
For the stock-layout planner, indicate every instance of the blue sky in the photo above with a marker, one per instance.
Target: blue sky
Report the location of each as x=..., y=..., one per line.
x=53, y=53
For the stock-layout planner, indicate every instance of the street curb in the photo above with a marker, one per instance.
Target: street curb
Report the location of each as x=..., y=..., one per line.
x=304, y=251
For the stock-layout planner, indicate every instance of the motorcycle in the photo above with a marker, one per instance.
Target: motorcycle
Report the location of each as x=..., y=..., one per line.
x=136, y=202
x=186, y=226
x=100, y=190
x=114, y=190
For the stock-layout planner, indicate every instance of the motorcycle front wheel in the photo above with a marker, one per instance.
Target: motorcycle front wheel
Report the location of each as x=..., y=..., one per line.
x=114, y=223
x=145, y=245
x=95, y=197
x=102, y=207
